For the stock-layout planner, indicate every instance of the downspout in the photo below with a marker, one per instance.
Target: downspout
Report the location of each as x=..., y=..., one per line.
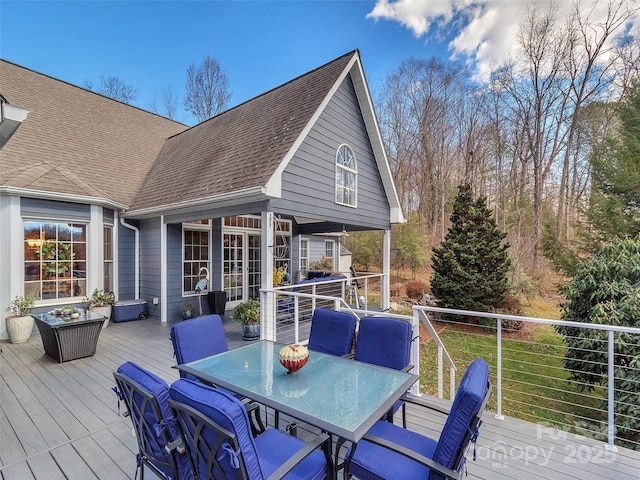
x=136, y=248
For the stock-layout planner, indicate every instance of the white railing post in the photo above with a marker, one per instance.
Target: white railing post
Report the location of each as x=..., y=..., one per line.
x=499, y=415
x=296, y=332
x=611, y=384
x=415, y=351
x=440, y=371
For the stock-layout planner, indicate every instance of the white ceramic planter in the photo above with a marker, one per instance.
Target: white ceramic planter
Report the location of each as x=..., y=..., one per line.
x=19, y=328
x=104, y=311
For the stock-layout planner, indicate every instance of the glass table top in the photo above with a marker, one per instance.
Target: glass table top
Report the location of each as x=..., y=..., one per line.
x=60, y=320
x=339, y=395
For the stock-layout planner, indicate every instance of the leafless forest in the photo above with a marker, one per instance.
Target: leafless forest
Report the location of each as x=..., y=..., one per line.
x=522, y=137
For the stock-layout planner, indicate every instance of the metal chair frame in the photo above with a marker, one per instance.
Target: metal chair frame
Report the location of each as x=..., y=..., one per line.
x=148, y=438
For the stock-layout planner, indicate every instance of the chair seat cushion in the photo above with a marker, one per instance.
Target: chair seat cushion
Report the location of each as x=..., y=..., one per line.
x=392, y=334
x=160, y=390
x=275, y=447
x=262, y=455
x=466, y=405
x=198, y=338
x=373, y=462
x=225, y=410
x=332, y=332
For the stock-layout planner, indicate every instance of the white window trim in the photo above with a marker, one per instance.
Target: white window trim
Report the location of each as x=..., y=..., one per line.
x=347, y=169
x=300, y=257
x=203, y=227
x=333, y=249
x=39, y=302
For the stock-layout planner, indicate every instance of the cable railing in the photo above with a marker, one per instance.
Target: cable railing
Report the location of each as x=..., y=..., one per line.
x=542, y=376
x=288, y=311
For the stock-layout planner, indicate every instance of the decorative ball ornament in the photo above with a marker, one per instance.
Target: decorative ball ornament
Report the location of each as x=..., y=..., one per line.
x=293, y=357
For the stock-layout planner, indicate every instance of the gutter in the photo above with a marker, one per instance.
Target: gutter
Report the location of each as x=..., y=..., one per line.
x=230, y=198
x=62, y=197
x=136, y=260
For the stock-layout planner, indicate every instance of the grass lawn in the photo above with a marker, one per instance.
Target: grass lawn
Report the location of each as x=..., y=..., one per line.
x=534, y=381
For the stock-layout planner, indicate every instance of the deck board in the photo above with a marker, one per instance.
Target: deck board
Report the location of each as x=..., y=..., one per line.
x=61, y=420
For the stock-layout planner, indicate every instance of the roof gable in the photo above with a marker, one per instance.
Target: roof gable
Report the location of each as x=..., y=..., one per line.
x=54, y=177
x=87, y=142
x=240, y=149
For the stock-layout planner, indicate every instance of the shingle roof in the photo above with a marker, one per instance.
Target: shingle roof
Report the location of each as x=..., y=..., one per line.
x=75, y=141
x=240, y=148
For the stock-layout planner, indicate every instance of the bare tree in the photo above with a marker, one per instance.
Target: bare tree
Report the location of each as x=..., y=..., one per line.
x=113, y=87
x=590, y=63
x=429, y=119
x=166, y=104
x=207, y=89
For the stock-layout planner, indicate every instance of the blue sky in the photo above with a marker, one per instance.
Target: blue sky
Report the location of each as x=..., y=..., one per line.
x=259, y=44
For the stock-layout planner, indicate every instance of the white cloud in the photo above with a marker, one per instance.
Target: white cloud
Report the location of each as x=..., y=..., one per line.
x=485, y=30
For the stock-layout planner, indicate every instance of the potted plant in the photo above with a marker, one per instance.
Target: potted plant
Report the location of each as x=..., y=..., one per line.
x=20, y=322
x=248, y=314
x=100, y=302
x=188, y=311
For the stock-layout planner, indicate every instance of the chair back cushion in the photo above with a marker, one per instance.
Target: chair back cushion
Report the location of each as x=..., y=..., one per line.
x=198, y=338
x=469, y=400
x=332, y=332
x=227, y=412
x=133, y=382
x=384, y=341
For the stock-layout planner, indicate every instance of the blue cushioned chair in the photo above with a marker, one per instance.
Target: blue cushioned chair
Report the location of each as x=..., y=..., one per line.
x=332, y=332
x=385, y=342
x=216, y=432
x=202, y=337
x=377, y=455
x=146, y=397
x=198, y=338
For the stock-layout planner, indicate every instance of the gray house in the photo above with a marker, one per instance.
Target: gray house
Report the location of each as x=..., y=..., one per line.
x=95, y=193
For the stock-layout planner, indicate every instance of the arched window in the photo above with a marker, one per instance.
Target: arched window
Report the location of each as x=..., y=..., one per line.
x=346, y=176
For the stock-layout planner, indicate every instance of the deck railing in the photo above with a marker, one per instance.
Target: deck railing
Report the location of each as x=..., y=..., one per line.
x=531, y=381
x=527, y=356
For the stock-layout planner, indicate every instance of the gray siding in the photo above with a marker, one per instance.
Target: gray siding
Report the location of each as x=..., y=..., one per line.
x=126, y=263
x=175, y=300
x=38, y=208
x=308, y=186
x=150, y=263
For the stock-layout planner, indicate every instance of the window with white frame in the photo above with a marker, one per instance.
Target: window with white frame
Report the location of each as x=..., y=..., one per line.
x=195, y=240
x=304, y=254
x=346, y=176
x=108, y=258
x=329, y=255
x=55, y=260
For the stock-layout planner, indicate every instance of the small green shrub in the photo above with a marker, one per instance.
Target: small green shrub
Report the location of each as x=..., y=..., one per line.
x=247, y=313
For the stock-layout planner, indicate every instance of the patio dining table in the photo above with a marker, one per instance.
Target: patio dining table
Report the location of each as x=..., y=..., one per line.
x=340, y=396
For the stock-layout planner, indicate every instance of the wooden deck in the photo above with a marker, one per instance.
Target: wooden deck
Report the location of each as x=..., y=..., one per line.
x=61, y=421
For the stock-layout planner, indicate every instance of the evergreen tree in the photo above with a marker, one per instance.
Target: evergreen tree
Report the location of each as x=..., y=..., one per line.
x=469, y=268
x=614, y=205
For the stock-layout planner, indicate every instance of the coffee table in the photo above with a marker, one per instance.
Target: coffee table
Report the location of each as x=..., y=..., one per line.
x=67, y=339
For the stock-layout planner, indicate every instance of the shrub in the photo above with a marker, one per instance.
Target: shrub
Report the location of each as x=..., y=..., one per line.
x=396, y=289
x=416, y=289
x=604, y=291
